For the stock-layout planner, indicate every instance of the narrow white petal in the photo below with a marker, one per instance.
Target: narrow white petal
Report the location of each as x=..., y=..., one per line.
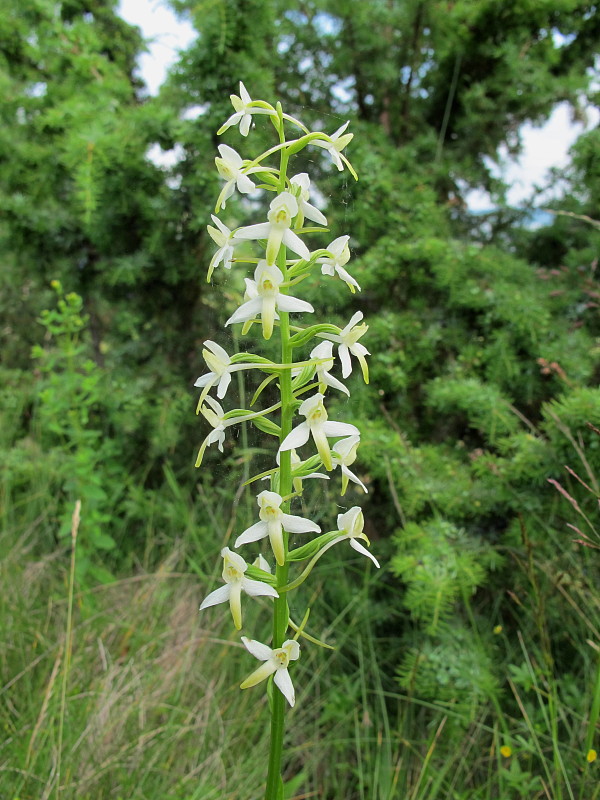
x=293, y=524
x=359, y=349
x=252, y=534
x=260, y=231
x=220, y=595
x=244, y=96
x=295, y=243
x=334, y=383
x=223, y=385
x=360, y=549
x=204, y=379
x=230, y=155
x=245, y=124
x=246, y=311
x=287, y=303
x=345, y=359
x=244, y=184
x=332, y=428
x=217, y=350
x=353, y=478
x=297, y=437
x=312, y=213
x=258, y=588
x=233, y=120
x=257, y=649
x=354, y=320
x=284, y=683
x=346, y=277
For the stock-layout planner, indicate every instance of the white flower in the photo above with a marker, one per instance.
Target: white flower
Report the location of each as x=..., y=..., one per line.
x=343, y=454
x=282, y=210
x=244, y=109
x=351, y=525
x=317, y=426
x=324, y=350
x=234, y=568
x=225, y=241
x=231, y=167
x=301, y=185
x=276, y=661
x=340, y=255
x=272, y=522
x=215, y=416
x=266, y=298
x=221, y=368
x=335, y=144
x=348, y=343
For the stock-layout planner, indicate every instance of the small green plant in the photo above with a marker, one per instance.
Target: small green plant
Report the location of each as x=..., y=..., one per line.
x=72, y=394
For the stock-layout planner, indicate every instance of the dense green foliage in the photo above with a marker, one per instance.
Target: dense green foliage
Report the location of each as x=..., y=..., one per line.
x=481, y=445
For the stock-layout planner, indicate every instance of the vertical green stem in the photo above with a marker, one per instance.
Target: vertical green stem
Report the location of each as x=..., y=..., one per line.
x=280, y=605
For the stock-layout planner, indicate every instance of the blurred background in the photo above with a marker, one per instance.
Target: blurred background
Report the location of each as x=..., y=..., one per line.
x=469, y=665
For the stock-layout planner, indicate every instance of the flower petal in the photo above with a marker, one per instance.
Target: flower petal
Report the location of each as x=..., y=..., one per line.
x=295, y=243
x=246, y=311
x=332, y=428
x=293, y=524
x=257, y=649
x=296, y=438
x=284, y=683
x=235, y=604
x=345, y=360
x=258, y=588
x=286, y=302
x=252, y=534
x=360, y=549
x=260, y=231
x=220, y=595
x=260, y=674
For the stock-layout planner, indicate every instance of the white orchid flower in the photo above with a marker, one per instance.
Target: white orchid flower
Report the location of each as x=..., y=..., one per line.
x=219, y=362
x=335, y=144
x=276, y=661
x=340, y=255
x=215, y=416
x=234, y=568
x=273, y=521
x=244, y=108
x=225, y=241
x=351, y=525
x=324, y=350
x=348, y=343
x=266, y=298
x=282, y=211
x=343, y=455
x=230, y=166
x=301, y=185
x=319, y=427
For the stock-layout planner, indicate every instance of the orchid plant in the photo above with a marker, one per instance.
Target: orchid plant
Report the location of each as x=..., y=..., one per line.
x=303, y=386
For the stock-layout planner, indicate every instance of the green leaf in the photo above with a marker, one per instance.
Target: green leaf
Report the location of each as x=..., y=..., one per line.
x=267, y=426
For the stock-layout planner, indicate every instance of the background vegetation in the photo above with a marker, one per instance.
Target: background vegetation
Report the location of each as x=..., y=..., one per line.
x=469, y=667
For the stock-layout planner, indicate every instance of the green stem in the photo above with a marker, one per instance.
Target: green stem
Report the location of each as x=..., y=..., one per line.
x=280, y=605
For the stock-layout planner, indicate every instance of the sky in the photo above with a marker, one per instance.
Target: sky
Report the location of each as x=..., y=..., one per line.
x=543, y=148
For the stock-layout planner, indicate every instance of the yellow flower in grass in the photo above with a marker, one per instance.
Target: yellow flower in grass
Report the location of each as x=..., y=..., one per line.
x=506, y=751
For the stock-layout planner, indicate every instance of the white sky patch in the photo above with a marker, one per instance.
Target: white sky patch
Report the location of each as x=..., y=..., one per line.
x=543, y=148
x=166, y=37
